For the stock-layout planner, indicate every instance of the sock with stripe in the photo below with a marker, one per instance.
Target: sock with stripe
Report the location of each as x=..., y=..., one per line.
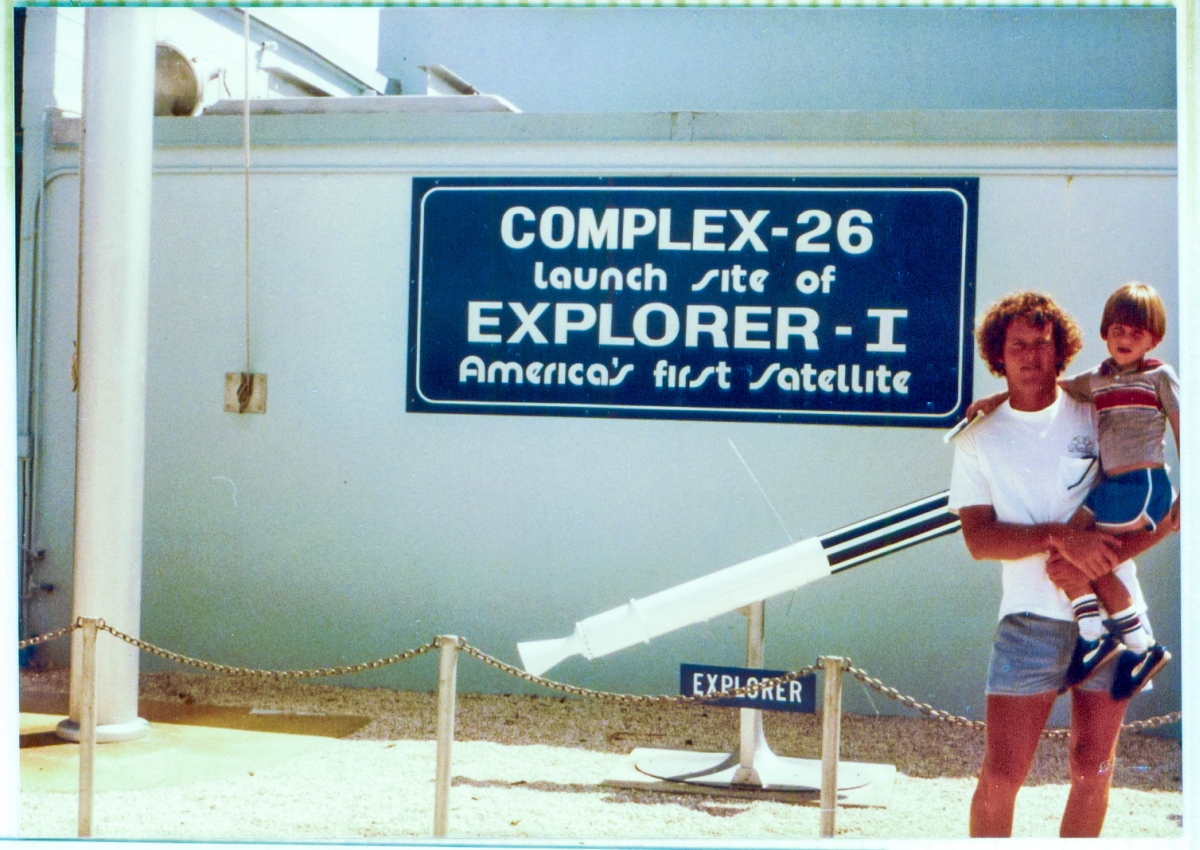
x=1087, y=615
x=1133, y=634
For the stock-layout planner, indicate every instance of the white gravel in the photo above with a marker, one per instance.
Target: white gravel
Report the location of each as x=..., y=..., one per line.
x=384, y=789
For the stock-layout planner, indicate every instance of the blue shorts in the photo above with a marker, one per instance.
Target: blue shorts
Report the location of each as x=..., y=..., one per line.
x=1132, y=500
x=1030, y=655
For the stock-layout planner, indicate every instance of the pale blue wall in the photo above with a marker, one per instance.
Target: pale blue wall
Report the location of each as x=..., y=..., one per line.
x=360, y=530
x=618, y=60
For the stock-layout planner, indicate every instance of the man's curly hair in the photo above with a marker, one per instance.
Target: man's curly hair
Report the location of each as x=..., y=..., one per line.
x=1038, y=310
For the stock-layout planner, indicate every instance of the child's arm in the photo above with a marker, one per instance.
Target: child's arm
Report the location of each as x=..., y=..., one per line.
x=989, y=403
x=1077, y=387
x=986, y=404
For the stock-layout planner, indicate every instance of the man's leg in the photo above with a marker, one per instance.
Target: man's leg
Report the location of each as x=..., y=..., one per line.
x=1095, y=726
x=1014, y=725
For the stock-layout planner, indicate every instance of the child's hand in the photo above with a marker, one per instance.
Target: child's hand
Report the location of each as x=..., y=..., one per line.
x=1173, y=516
x=986, y=404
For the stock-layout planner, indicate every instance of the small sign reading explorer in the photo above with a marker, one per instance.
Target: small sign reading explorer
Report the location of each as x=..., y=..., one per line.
x=798, y=694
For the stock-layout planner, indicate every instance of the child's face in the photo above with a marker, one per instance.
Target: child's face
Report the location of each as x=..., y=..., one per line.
x=1127, y=345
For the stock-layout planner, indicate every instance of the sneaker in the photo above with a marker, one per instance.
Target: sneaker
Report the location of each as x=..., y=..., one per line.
x=1088, y=657
x=1135, y=669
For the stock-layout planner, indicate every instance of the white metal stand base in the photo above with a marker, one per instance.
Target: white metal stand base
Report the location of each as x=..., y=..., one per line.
x=776, y=773
x=110, y=733
x=754, y=770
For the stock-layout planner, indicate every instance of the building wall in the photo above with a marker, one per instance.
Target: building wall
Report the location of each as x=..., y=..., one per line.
x=338, y=528
x=630, y=60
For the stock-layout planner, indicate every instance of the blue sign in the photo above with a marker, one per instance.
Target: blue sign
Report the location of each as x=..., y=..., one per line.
x=798, y=694
x=782, y=300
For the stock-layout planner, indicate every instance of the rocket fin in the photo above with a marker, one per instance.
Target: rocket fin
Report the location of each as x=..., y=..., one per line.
x=538, y=656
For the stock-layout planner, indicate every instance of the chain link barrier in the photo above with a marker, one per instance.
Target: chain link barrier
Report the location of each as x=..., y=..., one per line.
x=573, y=690
x=49, y=636
x=228, y=670
x=634, y=699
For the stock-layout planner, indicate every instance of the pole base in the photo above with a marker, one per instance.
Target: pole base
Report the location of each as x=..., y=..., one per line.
x=720, y=769
x=109, y=733
x=790, y=781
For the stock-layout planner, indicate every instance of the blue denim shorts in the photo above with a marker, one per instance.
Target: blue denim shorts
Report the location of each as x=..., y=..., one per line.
x=1031, y=653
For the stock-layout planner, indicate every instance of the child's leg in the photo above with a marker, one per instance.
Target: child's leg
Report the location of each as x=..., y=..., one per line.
x=1079, y=589
x=1119, y=604
x=1123, y=504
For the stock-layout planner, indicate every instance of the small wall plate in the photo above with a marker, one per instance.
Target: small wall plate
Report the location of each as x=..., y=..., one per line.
x=245, y=392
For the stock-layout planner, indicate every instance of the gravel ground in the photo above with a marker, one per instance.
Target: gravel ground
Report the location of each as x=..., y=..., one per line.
x=532, y=767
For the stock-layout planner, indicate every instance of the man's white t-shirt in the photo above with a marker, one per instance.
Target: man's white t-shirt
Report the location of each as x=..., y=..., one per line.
x=1032, y=467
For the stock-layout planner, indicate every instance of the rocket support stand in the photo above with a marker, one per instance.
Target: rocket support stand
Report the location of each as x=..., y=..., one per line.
x=752, y=738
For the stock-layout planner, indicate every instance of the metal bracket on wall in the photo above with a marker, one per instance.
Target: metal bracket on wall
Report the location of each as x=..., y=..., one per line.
x=245, y=392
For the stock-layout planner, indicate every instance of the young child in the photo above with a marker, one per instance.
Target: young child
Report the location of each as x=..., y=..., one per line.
x=1135, y=398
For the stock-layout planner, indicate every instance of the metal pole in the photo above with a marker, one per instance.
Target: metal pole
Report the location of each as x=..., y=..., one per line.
x=447, y=687
x=1187, y=116
x=831, y=724
x=751, y=737
x=114, y=269
x=87, y=728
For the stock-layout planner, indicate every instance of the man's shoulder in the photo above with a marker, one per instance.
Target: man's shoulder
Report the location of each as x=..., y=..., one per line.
x=1069, y=414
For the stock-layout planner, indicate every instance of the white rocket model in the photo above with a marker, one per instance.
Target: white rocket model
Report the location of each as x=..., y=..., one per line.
x=745, y=583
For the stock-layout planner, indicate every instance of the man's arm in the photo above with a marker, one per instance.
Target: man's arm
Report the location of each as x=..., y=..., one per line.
x=1133, y=543
x=1095, y=553
x=1130, y=544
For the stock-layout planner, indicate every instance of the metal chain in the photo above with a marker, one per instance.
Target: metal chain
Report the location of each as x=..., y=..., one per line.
x=911, y=702
x=49, y=636
x=575, y=690
x=228, y=670
x=930, y=711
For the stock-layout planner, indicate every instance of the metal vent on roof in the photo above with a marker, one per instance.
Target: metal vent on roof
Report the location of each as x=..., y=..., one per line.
x=440, y=80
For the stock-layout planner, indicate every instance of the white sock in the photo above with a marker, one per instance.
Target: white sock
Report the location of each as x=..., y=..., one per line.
x=1087, y=615
x=1133, y=633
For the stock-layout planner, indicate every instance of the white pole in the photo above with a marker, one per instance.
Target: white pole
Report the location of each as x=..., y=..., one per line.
x=1187, y=112
x=115, y=161
x=87, y=731
x=447, y=688
x=831, y=725
x=752, y=736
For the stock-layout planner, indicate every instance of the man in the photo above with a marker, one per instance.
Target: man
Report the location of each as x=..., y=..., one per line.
x=1019, y=475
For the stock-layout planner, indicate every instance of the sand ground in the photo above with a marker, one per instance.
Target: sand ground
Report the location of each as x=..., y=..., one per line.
x=529, y=767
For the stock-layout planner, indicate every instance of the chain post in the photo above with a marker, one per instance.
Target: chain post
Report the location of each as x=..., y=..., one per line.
x=87, y=724
x=831, y=738
x=447, y=688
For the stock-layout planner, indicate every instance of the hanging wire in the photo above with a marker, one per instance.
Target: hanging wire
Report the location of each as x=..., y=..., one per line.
x=246, y=174
x=79, y=252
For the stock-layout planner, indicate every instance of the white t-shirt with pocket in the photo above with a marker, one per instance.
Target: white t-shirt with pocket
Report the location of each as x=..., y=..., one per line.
x=1032, y=467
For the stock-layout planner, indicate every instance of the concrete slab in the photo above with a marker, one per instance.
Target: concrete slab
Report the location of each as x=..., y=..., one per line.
x=191, y=744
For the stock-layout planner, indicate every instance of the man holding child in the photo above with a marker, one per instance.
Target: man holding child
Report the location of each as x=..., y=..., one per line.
x=1020, y=475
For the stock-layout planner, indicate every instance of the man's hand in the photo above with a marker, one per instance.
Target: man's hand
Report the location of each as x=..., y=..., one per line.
x=1173, y=516
x=1066, y=576
x=1094, y=553
x=986, y=404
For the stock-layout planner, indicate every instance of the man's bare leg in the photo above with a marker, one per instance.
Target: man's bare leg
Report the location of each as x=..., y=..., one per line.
x=1095, y=726
x=1014, y=726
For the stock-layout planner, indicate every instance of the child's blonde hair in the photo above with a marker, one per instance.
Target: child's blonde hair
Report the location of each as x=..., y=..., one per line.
x=1138, y=306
